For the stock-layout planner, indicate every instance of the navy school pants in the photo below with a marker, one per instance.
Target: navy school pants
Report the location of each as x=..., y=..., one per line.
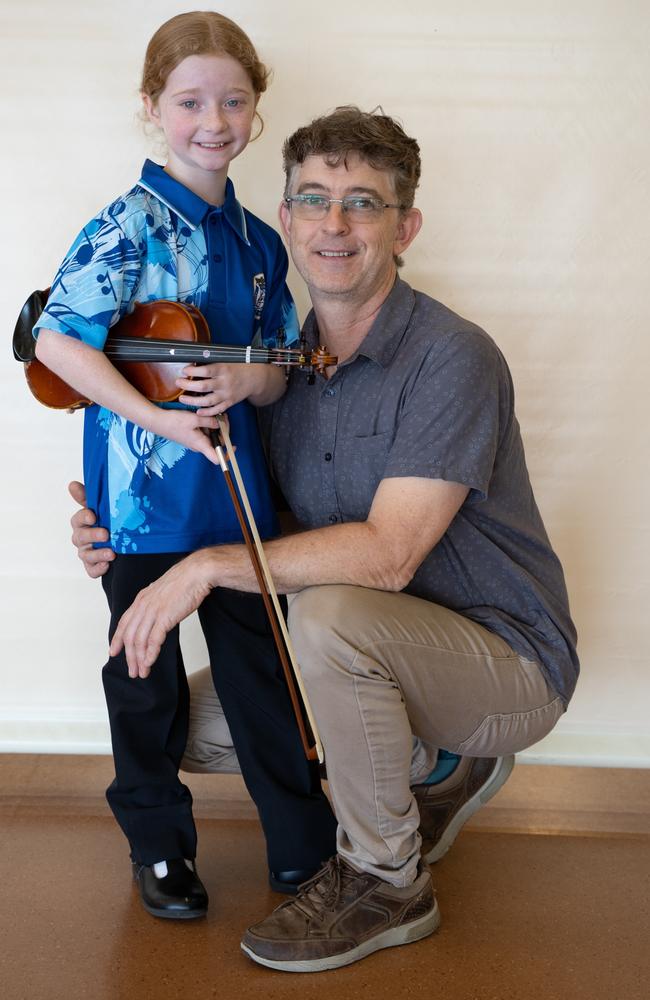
x=149, y=721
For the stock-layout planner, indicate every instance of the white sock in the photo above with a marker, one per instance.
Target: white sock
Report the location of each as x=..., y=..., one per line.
x=160, y=869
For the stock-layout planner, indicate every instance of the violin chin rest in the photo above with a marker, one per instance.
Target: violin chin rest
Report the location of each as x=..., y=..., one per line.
x=23, y=343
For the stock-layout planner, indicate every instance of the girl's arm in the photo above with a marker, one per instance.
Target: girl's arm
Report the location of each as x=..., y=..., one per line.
x=91, y=373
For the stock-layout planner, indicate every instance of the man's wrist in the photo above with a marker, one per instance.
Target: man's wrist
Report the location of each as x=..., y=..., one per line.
x=205, y=568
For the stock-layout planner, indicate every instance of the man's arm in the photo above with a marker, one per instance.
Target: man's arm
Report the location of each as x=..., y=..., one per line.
x=407, y=519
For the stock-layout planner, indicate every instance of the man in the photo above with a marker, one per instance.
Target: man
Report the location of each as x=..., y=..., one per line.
x=431, y=621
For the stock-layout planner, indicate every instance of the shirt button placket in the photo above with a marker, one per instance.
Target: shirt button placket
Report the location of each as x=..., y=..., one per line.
x=216, y=249
x=329, y=410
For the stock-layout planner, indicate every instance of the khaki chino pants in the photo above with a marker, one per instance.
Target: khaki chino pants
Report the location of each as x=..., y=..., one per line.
x=392, y=678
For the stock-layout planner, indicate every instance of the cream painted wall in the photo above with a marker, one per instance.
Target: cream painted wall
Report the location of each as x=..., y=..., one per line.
x=533, y=122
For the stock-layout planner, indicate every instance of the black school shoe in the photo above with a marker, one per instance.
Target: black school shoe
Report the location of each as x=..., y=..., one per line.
x=179, y=895
x=290, y=881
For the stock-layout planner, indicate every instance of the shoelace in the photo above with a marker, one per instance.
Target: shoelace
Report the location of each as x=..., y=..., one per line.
x=323, y=891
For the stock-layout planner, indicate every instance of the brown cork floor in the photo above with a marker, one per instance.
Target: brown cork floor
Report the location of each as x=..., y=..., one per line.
x=557, y=916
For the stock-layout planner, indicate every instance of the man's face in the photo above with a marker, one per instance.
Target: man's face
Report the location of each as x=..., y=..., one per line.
x=338, y=258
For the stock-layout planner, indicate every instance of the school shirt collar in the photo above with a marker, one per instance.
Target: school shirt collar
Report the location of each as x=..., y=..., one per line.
x=189, y=206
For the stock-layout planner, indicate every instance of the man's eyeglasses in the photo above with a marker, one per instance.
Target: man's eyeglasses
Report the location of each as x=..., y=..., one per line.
x=357, y=207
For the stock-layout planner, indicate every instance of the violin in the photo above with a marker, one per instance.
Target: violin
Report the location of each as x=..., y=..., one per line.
x=150, y=347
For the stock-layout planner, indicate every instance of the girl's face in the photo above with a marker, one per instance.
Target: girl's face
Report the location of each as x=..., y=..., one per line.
x=206, y=113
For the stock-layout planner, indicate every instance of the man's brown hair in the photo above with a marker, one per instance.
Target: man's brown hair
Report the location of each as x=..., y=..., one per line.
x=375, y=138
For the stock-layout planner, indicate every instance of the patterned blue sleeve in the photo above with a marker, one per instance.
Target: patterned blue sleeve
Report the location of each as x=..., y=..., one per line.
x=279, y=308
x=97, y=280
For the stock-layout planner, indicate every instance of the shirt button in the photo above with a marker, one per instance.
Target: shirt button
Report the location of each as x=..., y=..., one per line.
x=332, y=519
x=213, y=220
x=330, y=392
x=328, y=456
x=217, y=257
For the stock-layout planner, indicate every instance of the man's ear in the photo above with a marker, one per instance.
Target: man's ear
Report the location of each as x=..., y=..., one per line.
x=409, y=225
x=151, y=110
x=284, y=215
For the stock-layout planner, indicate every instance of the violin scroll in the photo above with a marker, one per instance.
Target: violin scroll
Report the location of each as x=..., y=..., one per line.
x=315, y=361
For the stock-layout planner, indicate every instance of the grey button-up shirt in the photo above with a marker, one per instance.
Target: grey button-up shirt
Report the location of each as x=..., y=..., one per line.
x=429, y=394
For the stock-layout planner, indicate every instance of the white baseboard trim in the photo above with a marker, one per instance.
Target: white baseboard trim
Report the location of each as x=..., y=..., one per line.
x=80, y=731
x=87, y=732
x=588, y=747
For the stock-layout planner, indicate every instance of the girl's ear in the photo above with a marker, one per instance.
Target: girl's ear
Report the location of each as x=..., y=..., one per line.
x=151, y=109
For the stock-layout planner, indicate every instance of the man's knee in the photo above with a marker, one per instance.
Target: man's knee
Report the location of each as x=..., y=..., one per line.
x=327, y=626
x=318, y=616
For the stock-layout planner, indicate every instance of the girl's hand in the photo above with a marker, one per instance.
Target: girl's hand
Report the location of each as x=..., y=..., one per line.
x=224, y=385
x=189, y=429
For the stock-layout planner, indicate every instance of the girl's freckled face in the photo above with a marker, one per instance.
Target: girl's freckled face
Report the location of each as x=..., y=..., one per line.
x=206, y=112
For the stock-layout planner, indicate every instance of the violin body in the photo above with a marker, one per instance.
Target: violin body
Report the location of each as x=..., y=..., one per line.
x=157, y=321
x=151, y=347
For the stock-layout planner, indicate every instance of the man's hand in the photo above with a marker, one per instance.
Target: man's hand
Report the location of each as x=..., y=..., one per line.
x=96, y=561
x=142, y=629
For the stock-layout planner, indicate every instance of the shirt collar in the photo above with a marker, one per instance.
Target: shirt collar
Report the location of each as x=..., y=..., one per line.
x=385, y=334
x=189, y=206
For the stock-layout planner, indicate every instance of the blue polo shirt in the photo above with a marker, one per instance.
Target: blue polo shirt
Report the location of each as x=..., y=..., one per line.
x=161, y=241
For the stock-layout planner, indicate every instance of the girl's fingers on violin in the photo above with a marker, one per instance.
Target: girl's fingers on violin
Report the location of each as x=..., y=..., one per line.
x=202, y=371
x=200, y=402
x=209, y=409
x=195, y=384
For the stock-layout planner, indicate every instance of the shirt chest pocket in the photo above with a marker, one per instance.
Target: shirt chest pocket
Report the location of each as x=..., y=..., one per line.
x=359, y=467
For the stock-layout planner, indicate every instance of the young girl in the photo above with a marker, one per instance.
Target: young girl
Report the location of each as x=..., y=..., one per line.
x=151, y=471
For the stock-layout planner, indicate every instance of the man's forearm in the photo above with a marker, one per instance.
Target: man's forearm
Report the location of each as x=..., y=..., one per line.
x=343, y=553
x=298, y=561
x=406, y=520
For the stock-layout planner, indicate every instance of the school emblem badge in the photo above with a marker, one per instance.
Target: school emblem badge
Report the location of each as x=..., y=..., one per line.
x=259, y=294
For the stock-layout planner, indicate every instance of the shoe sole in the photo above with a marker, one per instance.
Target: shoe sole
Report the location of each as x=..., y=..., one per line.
x=501, y=773
x=174, y=915
x=392, y=938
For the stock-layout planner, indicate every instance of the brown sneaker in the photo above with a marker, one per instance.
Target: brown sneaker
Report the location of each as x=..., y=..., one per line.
x=446, y=807
x=339, y=917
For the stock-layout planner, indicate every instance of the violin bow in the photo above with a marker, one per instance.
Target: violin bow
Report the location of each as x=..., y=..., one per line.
x=313, y=749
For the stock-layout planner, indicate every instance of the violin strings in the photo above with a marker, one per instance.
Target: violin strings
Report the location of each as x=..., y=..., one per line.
x=140, y=349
